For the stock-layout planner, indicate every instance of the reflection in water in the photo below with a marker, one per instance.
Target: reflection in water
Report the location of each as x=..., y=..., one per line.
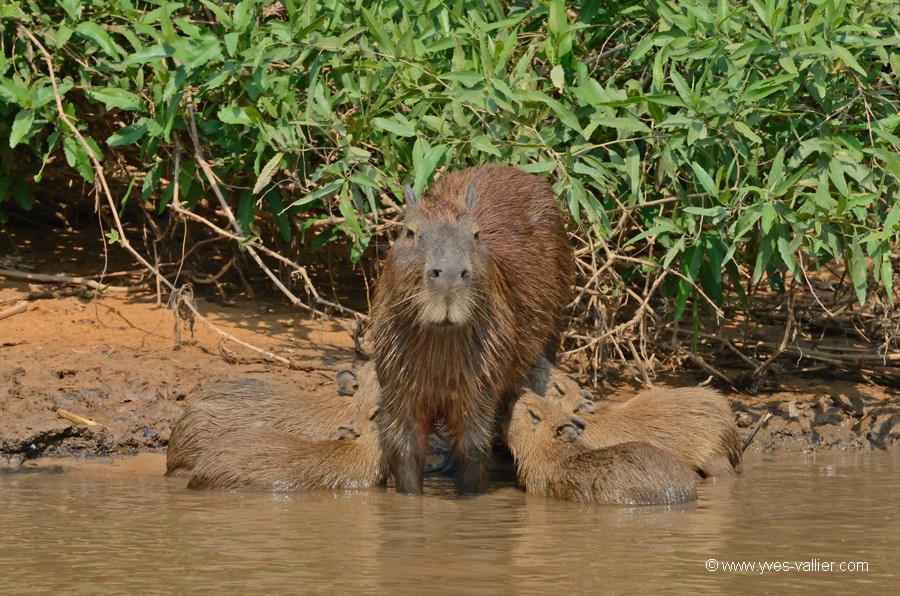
x=123, y=527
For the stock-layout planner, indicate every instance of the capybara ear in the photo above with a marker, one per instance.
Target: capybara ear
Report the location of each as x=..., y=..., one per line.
x=409, y=196
x=346, y=382
x=568, y=431
x=585, y=406
x=347, y=431
x=470, y=197
x=534, y=417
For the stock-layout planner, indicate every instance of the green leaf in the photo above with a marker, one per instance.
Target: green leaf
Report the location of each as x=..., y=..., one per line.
x=717, y=212
x=397, y=124
x=265, y=176
x=345, y=206
x=627, y=125
x=857, y=266
x=77, y=157
x=234, y=115
x=468, y=77
x=766, y=87
x=21, y=126
x=558, y=77
x=276, y=209
x=848, y=59
x=704, y=179
x=151, y=54
x=748, y=132
x=887, y=276
x=99, y=36
x=484, y=144
x=562, y=112
x=114, y=97
x=684, y=90
x=767, y=218
x=776, y=174
x=128, y=134
x=539, y=167
x=425, y=160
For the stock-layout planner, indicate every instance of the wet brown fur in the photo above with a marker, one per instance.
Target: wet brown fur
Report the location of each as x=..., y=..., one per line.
x=248, y=403
x=553, y=461
x=522, y=277
x=267, y=459
x=695, y=424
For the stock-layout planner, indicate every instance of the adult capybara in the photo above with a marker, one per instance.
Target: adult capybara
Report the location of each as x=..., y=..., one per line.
x=246, y=403
x=267, y=459
x=695, y=424
x=472, y=291
x=553, y=461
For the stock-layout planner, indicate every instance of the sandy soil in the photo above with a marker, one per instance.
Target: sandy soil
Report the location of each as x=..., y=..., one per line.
x=111, y=359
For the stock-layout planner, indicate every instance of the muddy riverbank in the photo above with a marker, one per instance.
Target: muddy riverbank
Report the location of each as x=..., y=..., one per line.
x=111, y=360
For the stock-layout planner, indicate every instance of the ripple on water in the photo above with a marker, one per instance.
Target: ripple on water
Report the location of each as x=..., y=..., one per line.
x=124, y=528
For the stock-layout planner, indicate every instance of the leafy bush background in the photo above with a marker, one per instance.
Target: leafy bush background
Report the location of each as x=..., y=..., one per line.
x=707, y=145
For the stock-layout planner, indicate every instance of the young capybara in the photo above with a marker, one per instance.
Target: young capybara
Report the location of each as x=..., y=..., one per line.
x=267, y=459
x=695, y=424
x=472, y=291
x=553, y=461
x=247, y=403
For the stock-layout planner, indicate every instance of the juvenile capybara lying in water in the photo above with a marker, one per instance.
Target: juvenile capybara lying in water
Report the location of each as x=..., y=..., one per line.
x=553, y=461
x=693, y=423
x=248, y=403
x=473, y=290
x=267, y=459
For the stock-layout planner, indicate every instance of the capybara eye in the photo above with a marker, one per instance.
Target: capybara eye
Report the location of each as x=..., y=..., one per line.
x=477, y=236
x=578, y=423
x=410, y=233
x=534, y=417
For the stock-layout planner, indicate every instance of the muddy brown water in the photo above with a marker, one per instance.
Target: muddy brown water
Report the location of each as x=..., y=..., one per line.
x=120, y=527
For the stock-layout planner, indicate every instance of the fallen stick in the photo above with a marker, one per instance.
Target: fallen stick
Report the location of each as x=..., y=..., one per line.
x=14, y=310
x=68, y=279
x=762, y=420
x=75, y=418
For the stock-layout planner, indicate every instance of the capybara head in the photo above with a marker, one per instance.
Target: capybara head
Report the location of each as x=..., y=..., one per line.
x=440, y=254
x=537, y=429
x=548, y=380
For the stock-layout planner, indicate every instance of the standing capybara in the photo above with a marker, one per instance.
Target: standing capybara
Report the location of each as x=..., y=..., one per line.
x=248, y=403
x=473, y=290
x=267, y=459
x=695, y=424
x=553, y=461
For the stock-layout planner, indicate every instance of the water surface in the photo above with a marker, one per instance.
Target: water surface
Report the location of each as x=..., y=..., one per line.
x=121, y=527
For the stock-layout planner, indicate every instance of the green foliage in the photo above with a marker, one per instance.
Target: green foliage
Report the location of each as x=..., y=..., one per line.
x=756, y=136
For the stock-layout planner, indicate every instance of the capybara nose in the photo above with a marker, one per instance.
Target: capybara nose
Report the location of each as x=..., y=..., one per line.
x=448, y=277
